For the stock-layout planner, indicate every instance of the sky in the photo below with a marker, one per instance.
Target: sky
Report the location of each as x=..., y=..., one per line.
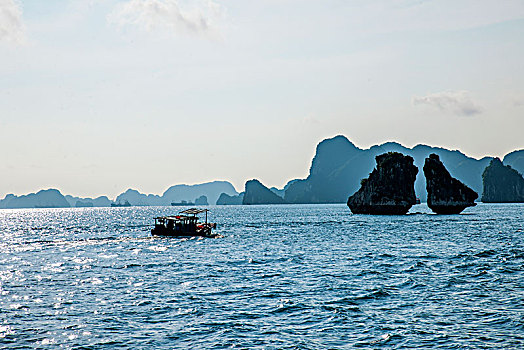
x=98, y=96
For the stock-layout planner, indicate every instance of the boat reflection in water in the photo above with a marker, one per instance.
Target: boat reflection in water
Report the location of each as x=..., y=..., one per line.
x=185, y=224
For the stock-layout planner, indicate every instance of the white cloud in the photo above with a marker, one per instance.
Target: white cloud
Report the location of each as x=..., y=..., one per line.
x=168, y=15
x=11, y=26
x=456, y=102
x=517, y=101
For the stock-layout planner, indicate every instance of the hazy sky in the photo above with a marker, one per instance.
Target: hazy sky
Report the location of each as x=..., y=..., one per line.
x=102, y=95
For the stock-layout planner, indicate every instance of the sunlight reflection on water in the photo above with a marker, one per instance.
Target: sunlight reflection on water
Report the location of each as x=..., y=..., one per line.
x=306, y=277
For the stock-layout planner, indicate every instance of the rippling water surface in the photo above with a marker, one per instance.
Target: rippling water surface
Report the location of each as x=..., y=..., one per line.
x=282, y=277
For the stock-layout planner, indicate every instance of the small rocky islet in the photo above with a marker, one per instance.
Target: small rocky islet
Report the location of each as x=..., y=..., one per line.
x=446, y=195
x=257, y=193
x=389, y=189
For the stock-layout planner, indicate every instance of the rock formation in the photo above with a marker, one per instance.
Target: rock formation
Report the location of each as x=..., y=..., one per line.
x=79, y=202
x=202, y=200
x=211, y=190
x=389, y=189
x=137, y=199
x=502, y=184
x=178, y=193
x=338, y=166
x=446, y=195
x=226, y=199
x=256, y=193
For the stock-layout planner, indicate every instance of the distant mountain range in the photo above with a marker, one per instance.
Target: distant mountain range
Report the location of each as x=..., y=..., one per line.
x=52, y=198
x=42, y=199
x=335, y=174
x=179, y=193
x=338, y=167
x=78, y=202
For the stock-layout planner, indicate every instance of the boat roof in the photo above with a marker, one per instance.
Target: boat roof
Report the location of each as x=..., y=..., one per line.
x=176, y=217
x=190, y=214
x=193, y=211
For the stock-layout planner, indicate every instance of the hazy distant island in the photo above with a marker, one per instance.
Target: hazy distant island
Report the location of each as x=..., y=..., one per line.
x=121, y=204
x=335, y=174
x=200, y=194
x=51, y=198
x=256, y=193
x=226, y=199
x=78, y=202
x=202, y=200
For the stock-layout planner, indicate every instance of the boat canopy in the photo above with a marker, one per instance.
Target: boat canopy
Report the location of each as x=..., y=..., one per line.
x=177, y=217
x=188, y=214
x=194, y=211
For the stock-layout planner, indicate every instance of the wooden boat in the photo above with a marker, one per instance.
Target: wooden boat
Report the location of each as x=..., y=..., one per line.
x=185, y=224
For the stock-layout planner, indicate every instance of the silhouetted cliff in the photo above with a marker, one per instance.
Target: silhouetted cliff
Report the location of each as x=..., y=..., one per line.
x=502, y=184
x=334, y=174
x=389, y=189
x=256, y=193
x=446, y=195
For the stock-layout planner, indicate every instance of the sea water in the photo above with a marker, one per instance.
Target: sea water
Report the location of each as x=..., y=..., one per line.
x=282, y=277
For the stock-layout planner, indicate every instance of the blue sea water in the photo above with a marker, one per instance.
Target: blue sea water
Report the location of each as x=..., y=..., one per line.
x=282, y=277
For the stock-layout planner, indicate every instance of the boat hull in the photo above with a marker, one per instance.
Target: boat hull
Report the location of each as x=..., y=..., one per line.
x=160, y=230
